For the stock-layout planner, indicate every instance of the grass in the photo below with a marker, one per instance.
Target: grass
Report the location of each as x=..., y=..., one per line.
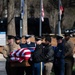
x=52, y=73
x=73, y=71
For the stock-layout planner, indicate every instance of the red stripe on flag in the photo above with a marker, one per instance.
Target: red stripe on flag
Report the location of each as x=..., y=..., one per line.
x=61, y=10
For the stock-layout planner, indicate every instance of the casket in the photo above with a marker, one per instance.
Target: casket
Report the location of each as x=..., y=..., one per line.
x=18, y=64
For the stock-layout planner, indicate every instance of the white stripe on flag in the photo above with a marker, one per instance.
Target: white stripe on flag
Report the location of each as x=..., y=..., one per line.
x=12, y=54
x=29, y=55
x=61, y=9
x=19, y=51
x=25, y=52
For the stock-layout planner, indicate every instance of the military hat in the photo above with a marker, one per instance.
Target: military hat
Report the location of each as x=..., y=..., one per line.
x=38, y=38
x=66, y=34
x=11, y=37
x=27, y=36
x=17, y=37
x=58, y=37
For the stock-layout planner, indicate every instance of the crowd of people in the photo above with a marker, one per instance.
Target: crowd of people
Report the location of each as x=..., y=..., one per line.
x=41, y=57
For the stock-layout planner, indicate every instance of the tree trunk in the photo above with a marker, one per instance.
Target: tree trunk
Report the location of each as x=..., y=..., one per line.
x=55, y=21
x=11, y=18
x=1, y=8
x=25, y=29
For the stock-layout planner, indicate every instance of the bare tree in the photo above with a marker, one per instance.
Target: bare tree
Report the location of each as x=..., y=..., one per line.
x=11, y=18
x=1, y=8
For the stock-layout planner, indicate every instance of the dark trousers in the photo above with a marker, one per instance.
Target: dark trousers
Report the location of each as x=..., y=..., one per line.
x=68, y=67
x=22, y=70
x=17, y=70
x=10, y=70
x=28, y=70
x=59, y=67
x=13, y=70
x=37, y=68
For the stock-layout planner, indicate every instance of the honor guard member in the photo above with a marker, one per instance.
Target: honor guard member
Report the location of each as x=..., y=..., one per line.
x=17, y=40
x=69, y=60
x=6, y=51
x=28, y=44
x=31, y=46
x=59, y=57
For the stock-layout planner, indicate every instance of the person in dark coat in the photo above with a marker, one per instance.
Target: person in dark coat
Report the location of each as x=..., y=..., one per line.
x=69, y=60
x=37, y=58
x=59, y=63
x=48, y=56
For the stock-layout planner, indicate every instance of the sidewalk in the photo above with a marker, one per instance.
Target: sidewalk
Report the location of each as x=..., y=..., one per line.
x=2, y=58
x=2, y=65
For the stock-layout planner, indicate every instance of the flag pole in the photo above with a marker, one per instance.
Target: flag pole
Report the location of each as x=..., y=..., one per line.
x=40, y=26
x=21, y=20
x=59, y=19
x=40, y=31
x=21, y=17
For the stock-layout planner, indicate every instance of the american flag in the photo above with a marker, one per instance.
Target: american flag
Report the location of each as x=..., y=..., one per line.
x=20, y=55
x=42, y=11
x=61, y=9
x=22, y=8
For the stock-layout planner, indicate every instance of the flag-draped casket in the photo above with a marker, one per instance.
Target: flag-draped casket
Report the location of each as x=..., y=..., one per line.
x=21, y=57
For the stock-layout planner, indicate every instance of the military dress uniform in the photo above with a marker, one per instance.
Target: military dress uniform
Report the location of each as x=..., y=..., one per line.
x=6, y=51
x=59, y=61
x=69, y=60
x=31, y=46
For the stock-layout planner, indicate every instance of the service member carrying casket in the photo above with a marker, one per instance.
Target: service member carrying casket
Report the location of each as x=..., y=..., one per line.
x=11, y=46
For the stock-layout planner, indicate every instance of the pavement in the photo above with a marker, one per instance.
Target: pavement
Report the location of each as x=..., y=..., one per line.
x=2, y=65
x=2, y=58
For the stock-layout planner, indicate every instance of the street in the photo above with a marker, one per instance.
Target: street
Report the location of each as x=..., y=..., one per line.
x=2, y=65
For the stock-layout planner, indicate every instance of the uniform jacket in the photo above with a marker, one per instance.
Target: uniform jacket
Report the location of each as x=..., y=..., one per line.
x=9, y=48
x=69, y=46
x=59, y=51
x=31, y=46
